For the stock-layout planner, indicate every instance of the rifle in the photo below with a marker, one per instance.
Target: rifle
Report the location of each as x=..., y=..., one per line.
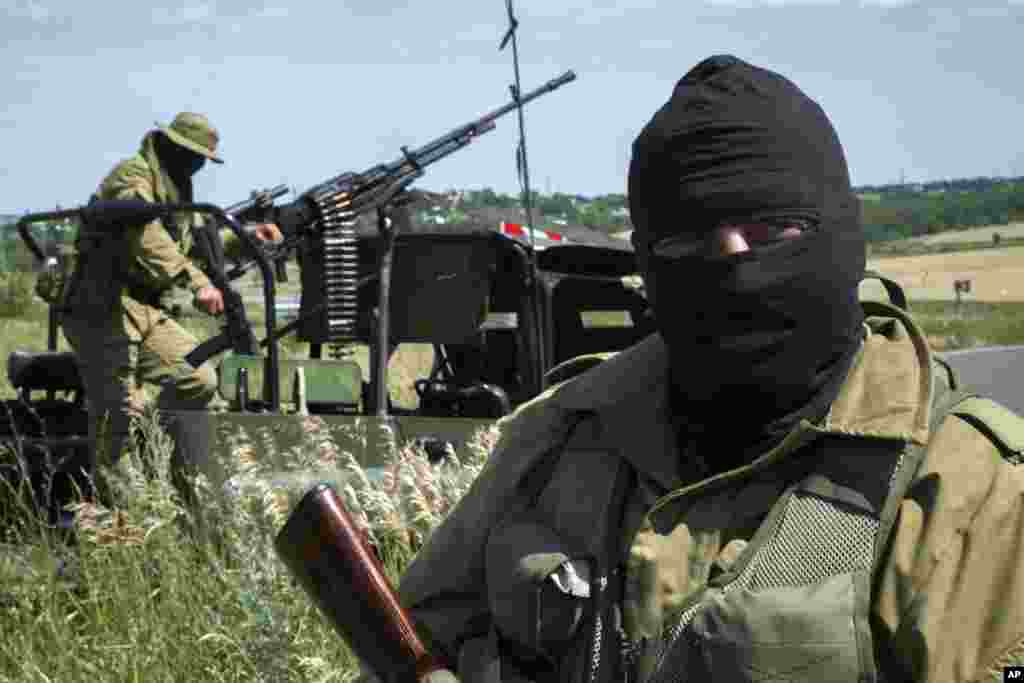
x=324, y=549
x=237, y=334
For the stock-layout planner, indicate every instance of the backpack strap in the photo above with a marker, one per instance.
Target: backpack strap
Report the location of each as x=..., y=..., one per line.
x=892, y=288
x=1000, y=424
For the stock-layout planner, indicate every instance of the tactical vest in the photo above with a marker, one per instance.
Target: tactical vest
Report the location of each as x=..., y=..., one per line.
x=794, y=605
x=94, y=277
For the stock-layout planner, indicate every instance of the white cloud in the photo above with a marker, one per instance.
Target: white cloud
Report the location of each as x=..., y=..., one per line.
x=398, y=48
x=989, y=12
x=30, y=9
x=944, y=21
x=273, y=12
x=193, y=13
x=747, y=4
x=189, y=14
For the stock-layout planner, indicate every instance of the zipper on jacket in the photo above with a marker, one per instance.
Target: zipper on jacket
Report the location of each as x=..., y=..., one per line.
x=609, y=570
x=627, y=649
x=595, y=646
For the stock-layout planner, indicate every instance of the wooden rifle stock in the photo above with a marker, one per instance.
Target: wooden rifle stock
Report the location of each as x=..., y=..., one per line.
x=326, y=552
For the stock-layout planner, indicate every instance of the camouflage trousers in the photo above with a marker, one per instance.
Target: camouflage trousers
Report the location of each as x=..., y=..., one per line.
x=117, y=354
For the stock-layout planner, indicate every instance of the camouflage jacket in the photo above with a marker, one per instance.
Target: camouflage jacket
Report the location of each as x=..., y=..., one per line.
x=947, y=598
x=143, y=260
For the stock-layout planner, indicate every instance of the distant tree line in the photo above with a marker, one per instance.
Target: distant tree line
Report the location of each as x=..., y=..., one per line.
x=977, y=184
x=900, y=214
x=889, y=211
x=607, y=212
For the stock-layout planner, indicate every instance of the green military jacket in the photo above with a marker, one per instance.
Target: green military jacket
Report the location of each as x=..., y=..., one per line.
x=148, y=257
x=947, y=598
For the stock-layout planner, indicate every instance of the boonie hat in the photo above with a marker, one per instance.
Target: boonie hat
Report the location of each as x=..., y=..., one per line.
x=194, y=132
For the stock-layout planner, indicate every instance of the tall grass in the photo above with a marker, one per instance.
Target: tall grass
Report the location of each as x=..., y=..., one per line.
x=950, y=326
x=153, y=591
x=17, y=291
x=144, y=594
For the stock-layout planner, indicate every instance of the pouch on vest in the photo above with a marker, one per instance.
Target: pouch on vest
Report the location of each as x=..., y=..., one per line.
x=794, y=605
x=538, y=589
x=793, y=633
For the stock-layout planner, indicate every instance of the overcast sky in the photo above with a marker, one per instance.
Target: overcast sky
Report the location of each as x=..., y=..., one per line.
x=301, y=91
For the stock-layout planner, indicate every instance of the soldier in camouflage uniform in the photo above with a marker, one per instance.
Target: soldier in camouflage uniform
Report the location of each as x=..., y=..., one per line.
x=115, y=321
x=782, y=484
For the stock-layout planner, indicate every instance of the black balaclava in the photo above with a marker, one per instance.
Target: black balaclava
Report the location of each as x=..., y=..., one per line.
x=180, y=163
x=757, y=340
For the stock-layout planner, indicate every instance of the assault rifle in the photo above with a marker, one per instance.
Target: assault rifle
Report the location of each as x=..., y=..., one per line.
x=337, y=567
x=237, y=334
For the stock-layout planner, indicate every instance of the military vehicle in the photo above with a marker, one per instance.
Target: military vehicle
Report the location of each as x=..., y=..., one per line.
x=504, y=319
x=504, y=309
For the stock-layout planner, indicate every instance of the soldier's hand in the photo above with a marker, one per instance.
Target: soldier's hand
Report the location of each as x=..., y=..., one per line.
x=267, y=232
x=210, y=300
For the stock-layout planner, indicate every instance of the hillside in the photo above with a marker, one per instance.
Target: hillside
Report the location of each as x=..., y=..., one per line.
x=1011, y=231
x=889, y=212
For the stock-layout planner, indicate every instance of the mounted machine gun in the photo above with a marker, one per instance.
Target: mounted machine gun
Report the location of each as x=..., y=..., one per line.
x=321, y=225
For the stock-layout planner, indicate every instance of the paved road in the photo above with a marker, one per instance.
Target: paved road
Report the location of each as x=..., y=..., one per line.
x=996, y=372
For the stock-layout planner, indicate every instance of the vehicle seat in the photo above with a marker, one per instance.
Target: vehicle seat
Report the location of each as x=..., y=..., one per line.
x=573, y=338
x=44, y=371
x=448, y=399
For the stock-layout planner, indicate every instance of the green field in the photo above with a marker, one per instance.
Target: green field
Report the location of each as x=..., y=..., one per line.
x=144, y=597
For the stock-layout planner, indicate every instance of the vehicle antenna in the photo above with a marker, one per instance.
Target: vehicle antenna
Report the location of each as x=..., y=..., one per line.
x=523, y=169
x=521, y=162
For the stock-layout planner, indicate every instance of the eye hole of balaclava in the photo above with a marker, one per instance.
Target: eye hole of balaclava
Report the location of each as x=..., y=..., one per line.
x=769, y=328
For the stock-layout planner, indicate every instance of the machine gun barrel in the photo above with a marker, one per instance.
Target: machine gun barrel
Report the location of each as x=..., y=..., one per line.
x=410, y=165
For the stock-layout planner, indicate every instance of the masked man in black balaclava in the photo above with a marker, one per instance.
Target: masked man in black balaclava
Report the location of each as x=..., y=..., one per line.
x=749, y=237
x=780, y=485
